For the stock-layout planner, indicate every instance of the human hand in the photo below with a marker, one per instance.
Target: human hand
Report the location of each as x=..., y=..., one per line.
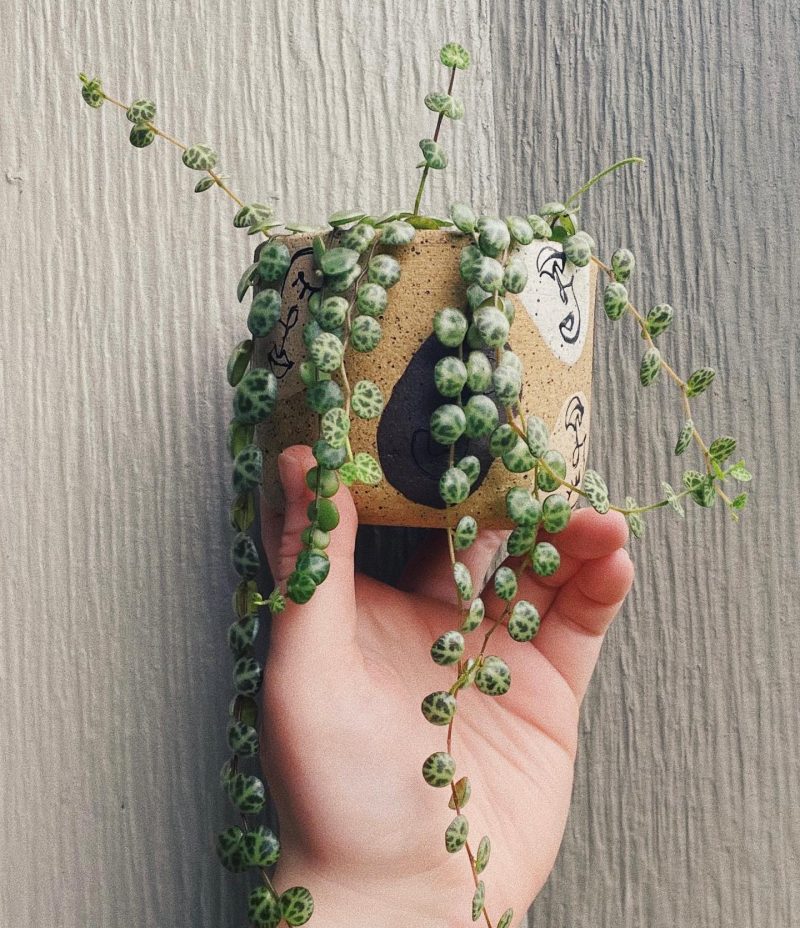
x=344, y=739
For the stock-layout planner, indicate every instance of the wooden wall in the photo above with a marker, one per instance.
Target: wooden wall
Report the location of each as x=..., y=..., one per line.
x=118, y=314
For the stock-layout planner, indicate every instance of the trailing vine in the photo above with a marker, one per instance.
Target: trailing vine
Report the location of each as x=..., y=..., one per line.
x=480, y=381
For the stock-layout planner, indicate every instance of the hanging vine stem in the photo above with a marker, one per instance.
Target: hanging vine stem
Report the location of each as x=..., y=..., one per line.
x=493, y=374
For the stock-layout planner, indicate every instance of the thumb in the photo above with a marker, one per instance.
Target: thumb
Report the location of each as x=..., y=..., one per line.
x=328, y=619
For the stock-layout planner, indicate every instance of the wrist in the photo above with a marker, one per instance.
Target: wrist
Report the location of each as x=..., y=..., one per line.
x=342, y=899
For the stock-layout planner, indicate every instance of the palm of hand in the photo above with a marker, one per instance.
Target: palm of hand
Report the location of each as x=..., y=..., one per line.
x=344, y=738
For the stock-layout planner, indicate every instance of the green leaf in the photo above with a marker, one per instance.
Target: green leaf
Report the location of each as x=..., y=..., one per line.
x=505, y=919
x=335, y=427
x=672, y=498
x=659, y=319
x=346, y=217
x=463, y=791
x=685, y=437
x=398, y=232
x=367, y=400
x=368, y=471
x=204, y=184
x=338, y=261
x=92, y=91
x=433, y=154
x=300, y=228
x=482, y=854
x=596, y=490
x=199, y=158
x=704, y=493
x=478, y=900
x=455, y=836
x=348, y=473
x=251, y=214
x=463, y=217
x=739, y=472
x=297, y=905
x=634, y=519
x=318, y=245
x=436, y=101
x=428, y=222
x=650, y=367
x=454, y=55
x=739, y=502
x=239, y=361
x=141, y=136
x=700, y=381
x=722, y=448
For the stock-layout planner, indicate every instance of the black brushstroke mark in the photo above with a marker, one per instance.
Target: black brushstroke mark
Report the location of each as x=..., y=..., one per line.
x=551, y=263
x=573, y=423
x=298, y=290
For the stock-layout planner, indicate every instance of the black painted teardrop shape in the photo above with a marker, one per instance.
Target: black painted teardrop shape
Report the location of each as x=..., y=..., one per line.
x=412, y=461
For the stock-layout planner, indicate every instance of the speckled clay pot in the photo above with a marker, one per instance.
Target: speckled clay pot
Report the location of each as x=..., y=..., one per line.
x=552, y=333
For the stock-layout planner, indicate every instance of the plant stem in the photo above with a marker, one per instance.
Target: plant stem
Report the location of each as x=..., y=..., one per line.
x=173, y=141
x=592, y=181
x=426, y=169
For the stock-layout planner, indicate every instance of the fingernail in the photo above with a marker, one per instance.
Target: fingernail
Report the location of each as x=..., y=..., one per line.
x=291, y=474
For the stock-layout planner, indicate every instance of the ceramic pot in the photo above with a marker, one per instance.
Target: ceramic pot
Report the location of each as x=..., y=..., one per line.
x=552, y=333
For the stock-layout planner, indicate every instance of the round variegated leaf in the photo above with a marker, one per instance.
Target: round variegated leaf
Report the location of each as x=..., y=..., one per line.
x=439, y=708
x=141, y=136
x=524, y=621
x=474, y=615
x=455, y=836
x=433, y=154
x=493, y=676
x=494, y=237
x=252, y=213
x=659, y=319
x=337, y=261
x=297, y=905
x=199, y=158
x=205, y=183
x=615, y=300
x=454, y=55
x=367, y=400
x=141, y=111
x=520, y=229
x=264, y=908
x=368, y=471
x=465, y=533
x=596, y=490
x=335, y=427
x=700, y=381
x=436, y=101
x=448, y=648
x=622, y=263
x=463, y=217
x=650, y=367
x=439, y=769
x=397, y=233
x=722, y=448
x=463, y=582
x=545, y=559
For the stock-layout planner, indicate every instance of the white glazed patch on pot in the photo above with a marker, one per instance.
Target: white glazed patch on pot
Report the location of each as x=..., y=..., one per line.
x=570, y=436
x=557, y=299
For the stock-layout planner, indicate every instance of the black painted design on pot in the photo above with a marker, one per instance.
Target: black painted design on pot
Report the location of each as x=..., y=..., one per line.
x=551, y=263
x=412, y=461
x=296, y=290
x=578, y=435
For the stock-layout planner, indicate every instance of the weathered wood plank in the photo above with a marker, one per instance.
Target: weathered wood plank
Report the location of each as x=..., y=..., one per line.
x=686, y=792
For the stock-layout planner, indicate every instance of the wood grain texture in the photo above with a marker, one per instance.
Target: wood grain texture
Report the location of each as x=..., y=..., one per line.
x=686, y=794
x=119, y=311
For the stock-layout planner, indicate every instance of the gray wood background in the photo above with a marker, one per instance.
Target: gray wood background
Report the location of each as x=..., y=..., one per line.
x=118, y=313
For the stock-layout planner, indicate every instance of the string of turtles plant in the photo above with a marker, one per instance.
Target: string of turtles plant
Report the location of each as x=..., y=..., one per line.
x=480, y=381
